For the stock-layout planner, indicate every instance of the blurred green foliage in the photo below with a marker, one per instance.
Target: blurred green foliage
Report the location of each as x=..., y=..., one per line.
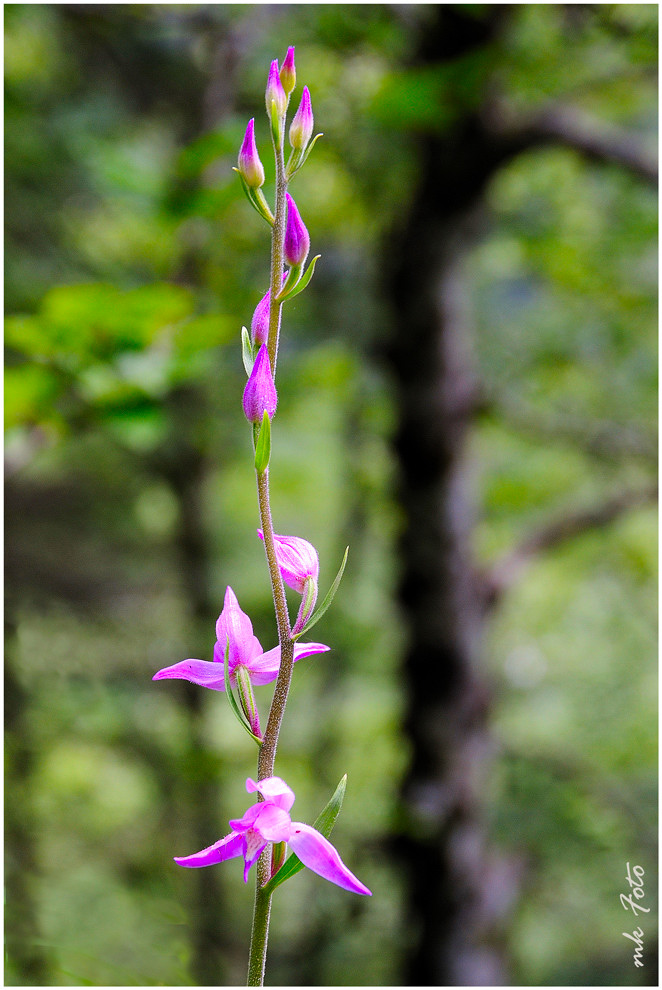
x=132, y=261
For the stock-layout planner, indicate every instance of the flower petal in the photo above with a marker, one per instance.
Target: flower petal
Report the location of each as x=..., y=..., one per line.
x=297, y=560
x=264, y=669
x=253, y=844
x=202, y=672
x=272, y=789
x=229, y=847
x=271, y=821
x=234, y=625
x=321, y=857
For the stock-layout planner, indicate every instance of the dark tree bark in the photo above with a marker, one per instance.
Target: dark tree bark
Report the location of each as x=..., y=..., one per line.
x=26, y=952
x=458, y=892
x=453, y=889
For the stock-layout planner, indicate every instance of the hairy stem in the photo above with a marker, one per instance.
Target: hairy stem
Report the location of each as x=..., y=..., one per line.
x=277, y=257
x=259, y=935
x=267, y=758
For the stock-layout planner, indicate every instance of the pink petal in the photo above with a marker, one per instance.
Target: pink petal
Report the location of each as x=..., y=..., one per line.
x=321, y=857
x=202, y=672
x=264, y=669
x=254, y=649
x=272, y=822
x=229, y=847
x=235, y=625
x=247, y=820
x=253, y=844
x=297, y=560
x=273, y=789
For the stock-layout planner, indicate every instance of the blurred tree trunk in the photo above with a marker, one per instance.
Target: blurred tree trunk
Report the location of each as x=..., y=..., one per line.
x=26, y=953
x=454, y=893
x=459, y=893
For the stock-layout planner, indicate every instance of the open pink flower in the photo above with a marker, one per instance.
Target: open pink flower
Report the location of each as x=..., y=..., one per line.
x=299, y=567
x=269, y=821
x=236, y=629
x=297, y=560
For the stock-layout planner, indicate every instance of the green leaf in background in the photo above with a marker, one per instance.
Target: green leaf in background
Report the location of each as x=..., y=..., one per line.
x=324, y=824
x=317, y=615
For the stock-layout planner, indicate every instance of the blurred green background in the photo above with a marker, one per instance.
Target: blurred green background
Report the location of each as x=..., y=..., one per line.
x=132, y=260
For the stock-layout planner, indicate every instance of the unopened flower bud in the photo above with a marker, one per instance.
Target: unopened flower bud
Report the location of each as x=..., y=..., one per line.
x=297, y=560
x=247, y=699
x=250, y=166
x=275, y=92
x=260, y=392
x=301, y=128
x=260, y=321
x=297, y=239
x=288, y=74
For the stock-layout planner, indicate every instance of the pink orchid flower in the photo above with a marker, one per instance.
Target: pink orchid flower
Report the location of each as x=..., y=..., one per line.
x=299, y=567
x=297, y=560
x=269, y=821
x=233, y=627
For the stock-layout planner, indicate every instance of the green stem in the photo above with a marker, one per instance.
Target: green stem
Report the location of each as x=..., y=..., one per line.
x=267, y=758
x=259, y=935
x=277, y=257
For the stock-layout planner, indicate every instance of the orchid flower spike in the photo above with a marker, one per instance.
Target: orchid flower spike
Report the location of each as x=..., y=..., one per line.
x=260, y=392
x=234, y=631
x=288, y=73
x=250, y=166
x=301, y=128
x=297, y=239
x=269, y=821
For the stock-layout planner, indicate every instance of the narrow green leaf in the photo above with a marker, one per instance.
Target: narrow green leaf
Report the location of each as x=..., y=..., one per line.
x=309, y=149
x=324, y=824
x=299, y=158
x=301, y=284
x=256, y=198
x=231, y=698
x=263, y=446
x=319, y=612
x=247, y=351
x=276, y=126
x=293, y=277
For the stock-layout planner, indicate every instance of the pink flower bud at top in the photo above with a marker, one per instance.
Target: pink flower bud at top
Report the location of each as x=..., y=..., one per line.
x=297, y=560
x=301, y=128
x=260, y=392
x=297, y=239
x=275, y=92
x=260, y=321
x=288, y=74
x=250, y=166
